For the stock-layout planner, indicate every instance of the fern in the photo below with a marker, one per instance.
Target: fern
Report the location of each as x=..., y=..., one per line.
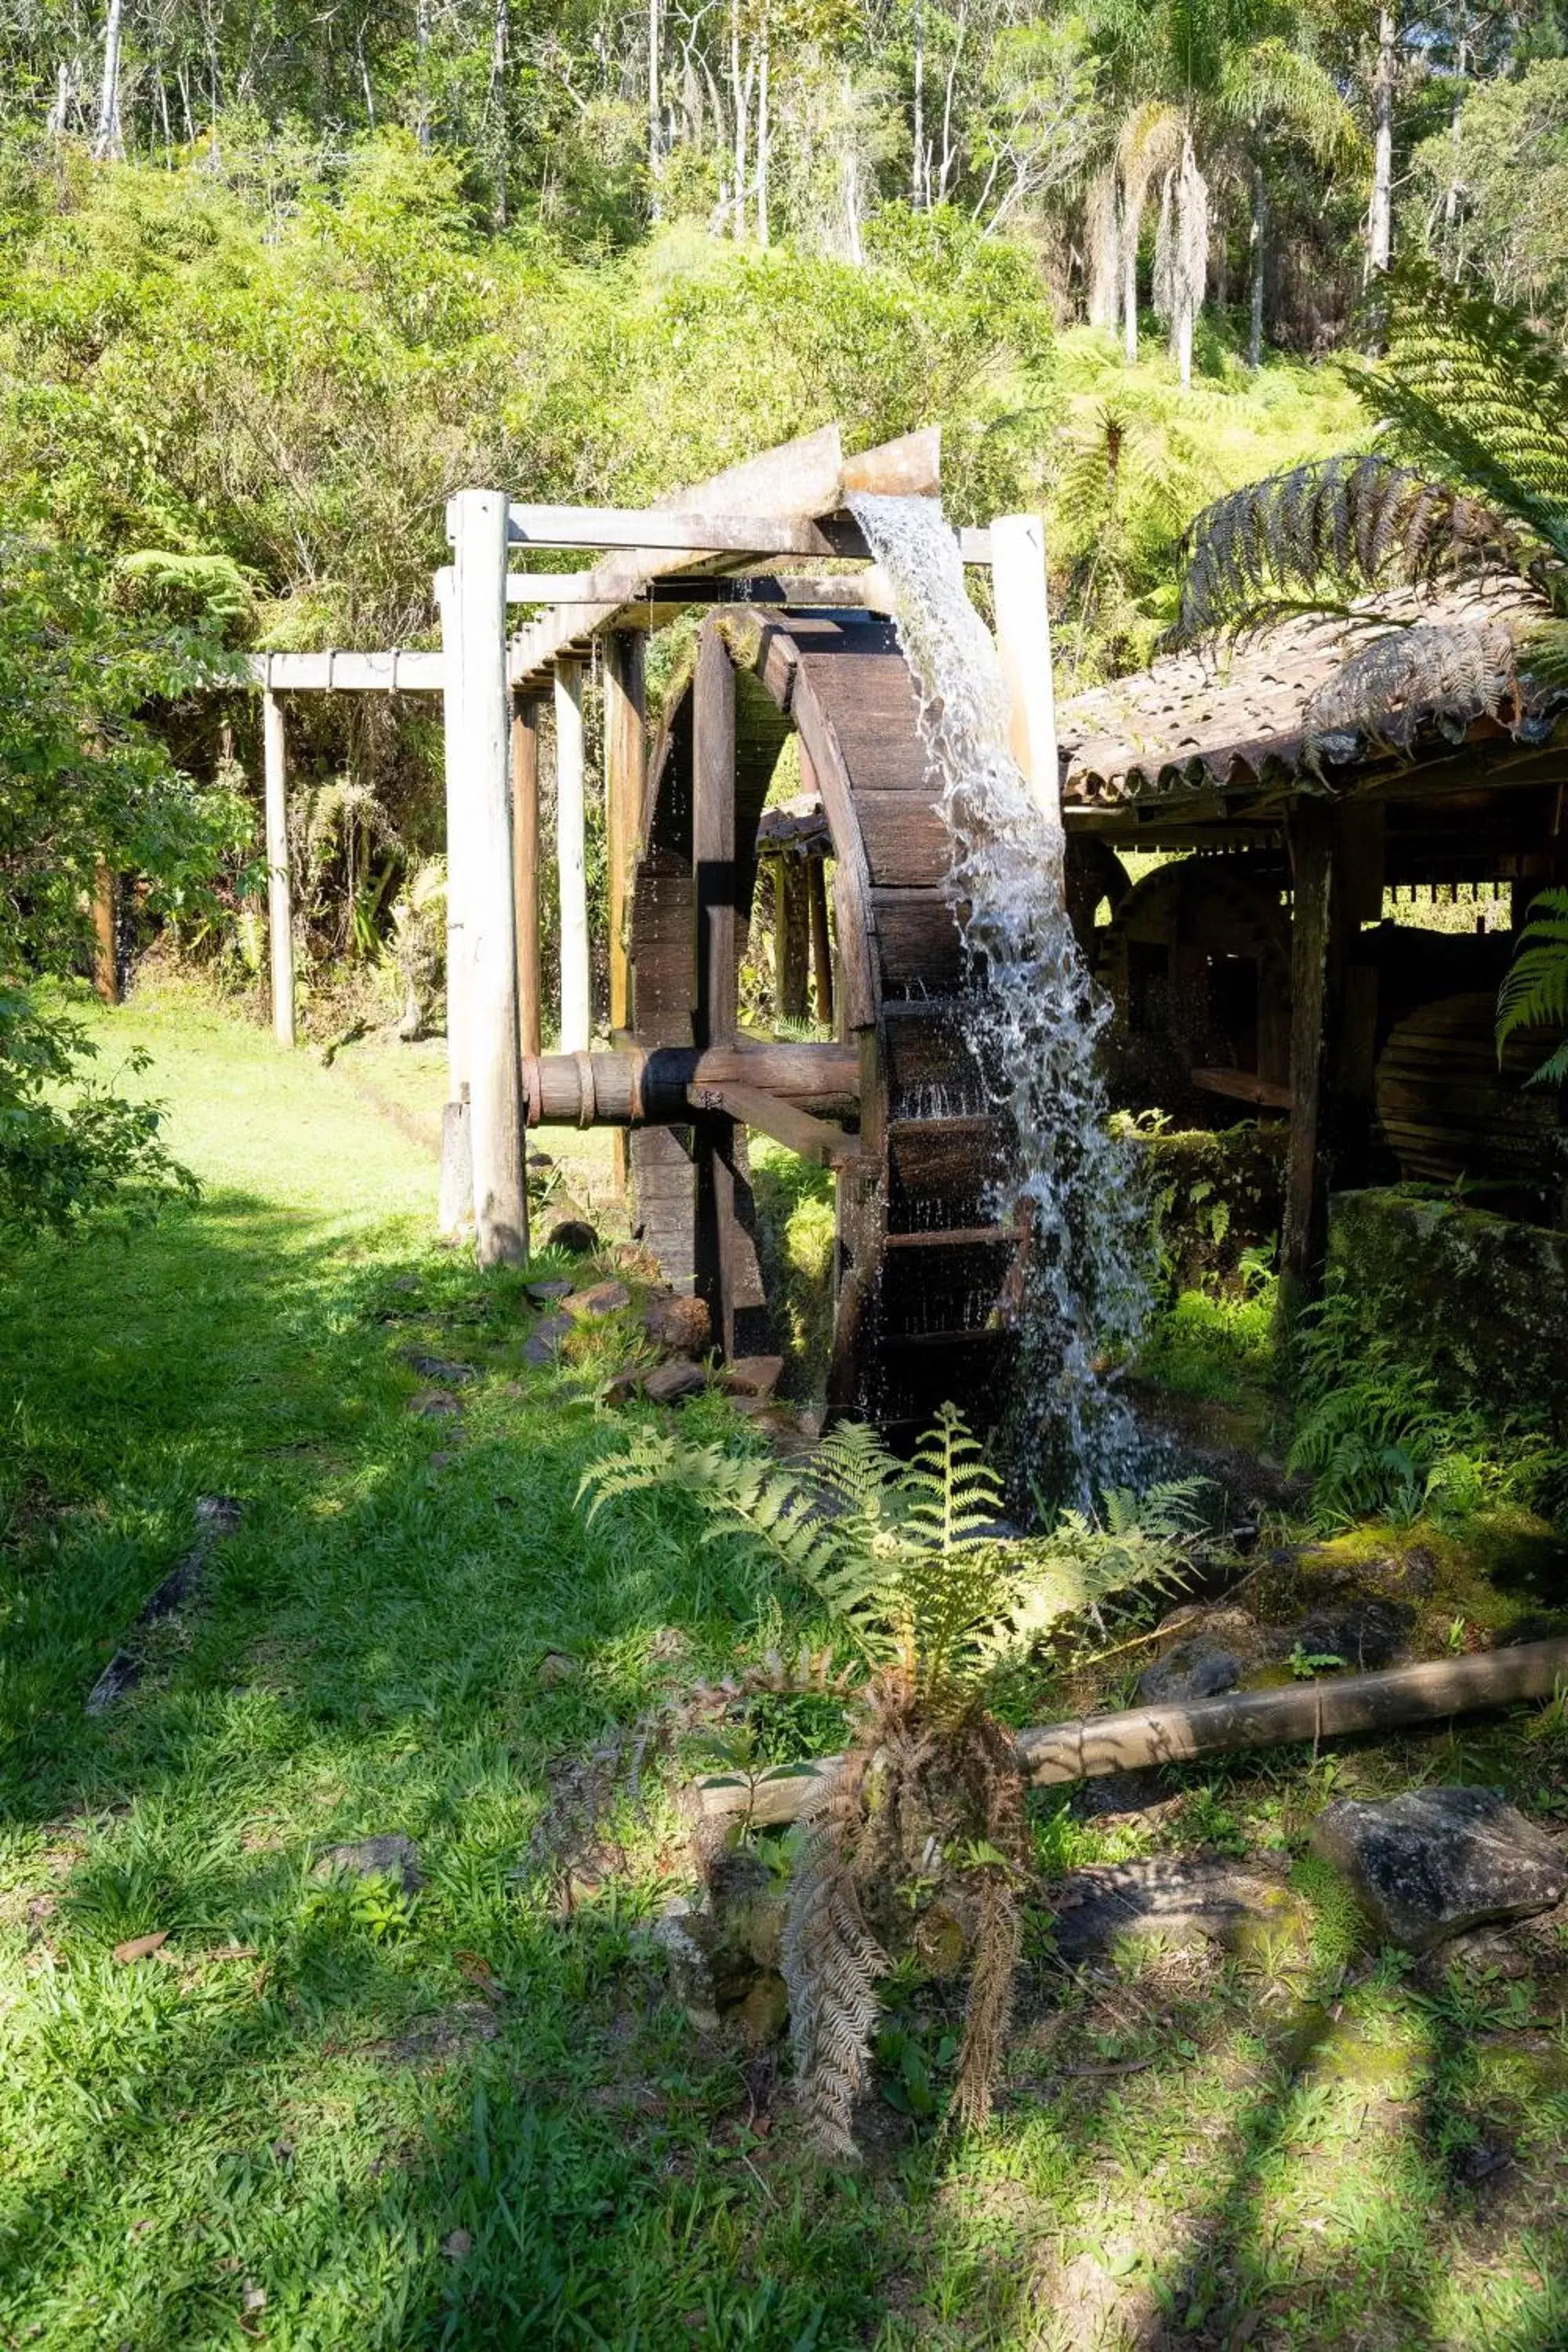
x=1534, y=995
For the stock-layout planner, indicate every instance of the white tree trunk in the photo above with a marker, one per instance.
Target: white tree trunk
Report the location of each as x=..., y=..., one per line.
x=279, y=895
x=1132, y=223
x=108, y=145
x=1259, y=236
x=1103, y=240
x=1190, y=258
x=917, y=162
x=654, y=157
x=422, y=50
x=762, y=142
x=1380, y=214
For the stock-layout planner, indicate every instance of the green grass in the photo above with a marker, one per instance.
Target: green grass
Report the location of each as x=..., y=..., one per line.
x=473, y=2116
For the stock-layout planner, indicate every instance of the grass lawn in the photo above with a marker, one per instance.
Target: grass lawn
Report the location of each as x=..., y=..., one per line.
x=335, y=2113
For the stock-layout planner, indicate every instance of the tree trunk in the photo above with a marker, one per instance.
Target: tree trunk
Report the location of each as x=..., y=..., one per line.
x=743, y=97
x=422, y=50
x=1102, y=238
x=1257, y=237
x=920, y=125
x=1380, y=214
x=763, y=140
x=1190, y=258
x=107, y=145
x=498, y=98
x=653, y=138
x=855, y=250
x=1131, y=224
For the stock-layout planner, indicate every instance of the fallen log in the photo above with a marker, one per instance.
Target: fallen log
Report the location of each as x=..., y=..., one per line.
x=1082, y=1749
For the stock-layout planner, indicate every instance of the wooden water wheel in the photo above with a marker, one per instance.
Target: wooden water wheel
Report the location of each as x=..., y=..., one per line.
x=1450, y=1110
x=894, y=1104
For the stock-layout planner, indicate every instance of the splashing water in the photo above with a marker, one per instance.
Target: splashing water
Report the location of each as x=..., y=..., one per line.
x=1033, y=1026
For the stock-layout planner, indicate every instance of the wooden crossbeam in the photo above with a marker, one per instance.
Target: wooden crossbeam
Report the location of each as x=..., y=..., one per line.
x=855, y=589
x=705, y=534
x=814, y=1139
x=393, y=671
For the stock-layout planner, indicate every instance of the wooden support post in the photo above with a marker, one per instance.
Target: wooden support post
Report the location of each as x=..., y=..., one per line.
x=1024, y=643
x=626, y=761
x=105, y=944
x=576, y=1002
x=727, y=1273
x=821, y=945
x=792, y=936
x=279, y=889
x=1316, y=977
x=525, y=864
x=479, y=784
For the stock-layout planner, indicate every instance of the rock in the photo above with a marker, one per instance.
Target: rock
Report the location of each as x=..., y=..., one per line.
x=445, y=1374
x=1437, y=1861
x=543, y=1341
x=555, y=1668
x=603, y=1298
x=432, y=1404
x=393, y=1855
x=1123, y=1796
x=1365, y=1632
x=121, y=1674
x=540, y=1159
x=571, y=1234
x=667, y=1383
x=679, y=1324
x=681, y=1935
x=217, y=1514
x=1212, y=1649
x=1241, y=1904
x=626, y=1384
x=1415, y=1574
x=753, y=1376
x=546, y=1293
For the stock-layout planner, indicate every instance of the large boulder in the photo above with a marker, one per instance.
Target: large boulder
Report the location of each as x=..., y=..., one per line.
x=1436, y=1862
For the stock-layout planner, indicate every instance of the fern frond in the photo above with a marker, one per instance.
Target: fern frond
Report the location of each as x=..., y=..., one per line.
x=1445, y=674
x=1336, y=524
x=1534, y=995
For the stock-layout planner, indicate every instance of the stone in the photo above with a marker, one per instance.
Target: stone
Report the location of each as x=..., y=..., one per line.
x=540, y=1159
x=546, y=1293
x=1364, y=1633
x=573, y=1235
x=603, y=1298
x=431, y=1404
x=1123, y=1796
x=1243, y=1905
x=626, y=1384
x=1436, y=1862
x=440, y=1369
x=555, y=1668
x=1204, y=1653
x=121, y=1674
x=543, y=1341
x=667, y=1383
x=219, y=1515
x=681, y=1935
x=391, y=1854
x=753, y=1376
x=681, y=1325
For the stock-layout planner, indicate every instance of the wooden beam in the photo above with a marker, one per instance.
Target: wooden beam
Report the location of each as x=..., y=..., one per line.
x=1316, y=977
x=525, y=864
x=714, y=1012
x=477, y=712
x=280, y=888
x=1327, y=1707
x=702, y=533
x=805, y=477
x=1242, y=1086
x=792, y=936
x=391, y=672
x=864, y=590
x=813, y=1139
x=821, y=946
x=576, y=1000
x=626, y=763
x=1024, y=644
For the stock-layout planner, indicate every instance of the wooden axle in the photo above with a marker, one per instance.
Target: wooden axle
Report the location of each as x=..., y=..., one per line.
x=656, y=1087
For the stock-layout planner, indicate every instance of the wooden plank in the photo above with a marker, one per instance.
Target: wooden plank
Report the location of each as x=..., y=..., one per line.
x=670, y=591
x=688, y=534
x=479, y=704
x=105, y=943
x=959, y=1237
x=813, y=1139
x=715, y=1010
x=1242, y=1086
x=792, y=936
x=906, y=837
x=626, y=773
x=1024, y=643
x=279, y=890
x=525, y=867
x=570, y=827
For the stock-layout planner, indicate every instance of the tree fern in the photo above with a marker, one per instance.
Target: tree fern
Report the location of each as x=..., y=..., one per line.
x=1535, y=993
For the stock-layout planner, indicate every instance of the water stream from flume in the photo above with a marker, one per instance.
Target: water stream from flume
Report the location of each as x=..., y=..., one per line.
x=1034, y=1023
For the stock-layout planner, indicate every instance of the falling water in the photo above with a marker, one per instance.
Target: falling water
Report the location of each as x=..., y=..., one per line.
x=1033, y=1026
